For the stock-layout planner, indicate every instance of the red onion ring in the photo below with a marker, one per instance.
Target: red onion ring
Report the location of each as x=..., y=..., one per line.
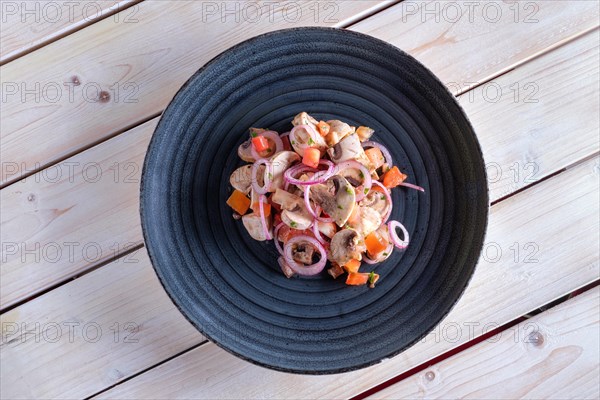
x=362, y=190
x=274, y=136
x=384, y=151
x=315, y=229
x=263, y=220
x=267, y=178
x=284, y=134
x=388, y=198
x=304, y=269
x=276, y=237
x=401, y=244
x=410, y=185
x=312, y=133
x=321, y=177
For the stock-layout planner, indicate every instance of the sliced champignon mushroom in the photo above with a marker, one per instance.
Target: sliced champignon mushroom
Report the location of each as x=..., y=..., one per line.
x=294, y=213
x=349, y=148
x=337, y=131
x=346, y=245
x=383, y=255
x=376, y=201
x=285, y=268
x=304, y=119
x=335, y=270
x=241, y=179
x=303, y=139
x=367, y=221
x=280, y=162
x=253, y=225
x=245, y=151
x=303, y=253
x=364, y=133
x=336, y=197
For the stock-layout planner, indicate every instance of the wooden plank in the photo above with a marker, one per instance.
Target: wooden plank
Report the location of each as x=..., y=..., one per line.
x=502, y=289
x=72, y=216
x=534, y=121
x=551, y=356
x=100, y=80
x=479, y=41
x=538, y=138
x=147, y=76
x=30, y=25
x=90, y=334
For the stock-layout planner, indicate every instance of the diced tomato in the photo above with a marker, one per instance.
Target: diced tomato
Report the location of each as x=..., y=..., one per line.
x=357, y=278
x=286, y=233
x=277, y=208
x=375, y=243
x=393, y=178
x=277, y=218
x=239, y=202
x=266, y=208
x=311, y=157
x=377, y=188
x=323, y=128
x=352, y=266
x=286, y=143
x=354, y=217
x=375, y=156
x=260, y=143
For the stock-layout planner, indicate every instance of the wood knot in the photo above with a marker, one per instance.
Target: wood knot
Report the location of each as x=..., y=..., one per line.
x=75, y=80
x=104, y=96
x=31, y=197
x=536, y=338
x=430, y=376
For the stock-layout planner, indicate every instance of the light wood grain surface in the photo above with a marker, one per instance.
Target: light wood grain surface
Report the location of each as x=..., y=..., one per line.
x=510, y=288
x=29, y=25
x=137, y=65
x=501, y=288
x=551, y=356
x=110, y=59
x=85, y=336
x=113, y=332
x=525, y=130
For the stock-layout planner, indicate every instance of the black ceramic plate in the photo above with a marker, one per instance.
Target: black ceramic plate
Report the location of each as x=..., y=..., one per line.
x=230, y=286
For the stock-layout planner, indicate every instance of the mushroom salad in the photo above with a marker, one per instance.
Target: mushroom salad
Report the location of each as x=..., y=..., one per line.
x=320, y=192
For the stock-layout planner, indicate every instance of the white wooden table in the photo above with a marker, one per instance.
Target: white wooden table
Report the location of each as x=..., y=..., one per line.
x=83, y=84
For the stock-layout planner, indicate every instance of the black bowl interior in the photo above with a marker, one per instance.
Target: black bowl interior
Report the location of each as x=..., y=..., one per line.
x=230, y=286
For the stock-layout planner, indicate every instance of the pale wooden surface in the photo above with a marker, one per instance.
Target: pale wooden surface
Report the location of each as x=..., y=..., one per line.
x=146, y=66
x=28, y=26
x=558, y=54
x=563, y=365
x=498, y=291
x=527, y=145
x=149, y=68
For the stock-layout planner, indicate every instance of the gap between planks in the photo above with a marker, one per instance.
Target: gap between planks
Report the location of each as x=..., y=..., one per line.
x=578, y=21
x=444, y=356
x=134, y=294
x=569, y=180
x=131, y=147
x=551, y=355
x=54, y=35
